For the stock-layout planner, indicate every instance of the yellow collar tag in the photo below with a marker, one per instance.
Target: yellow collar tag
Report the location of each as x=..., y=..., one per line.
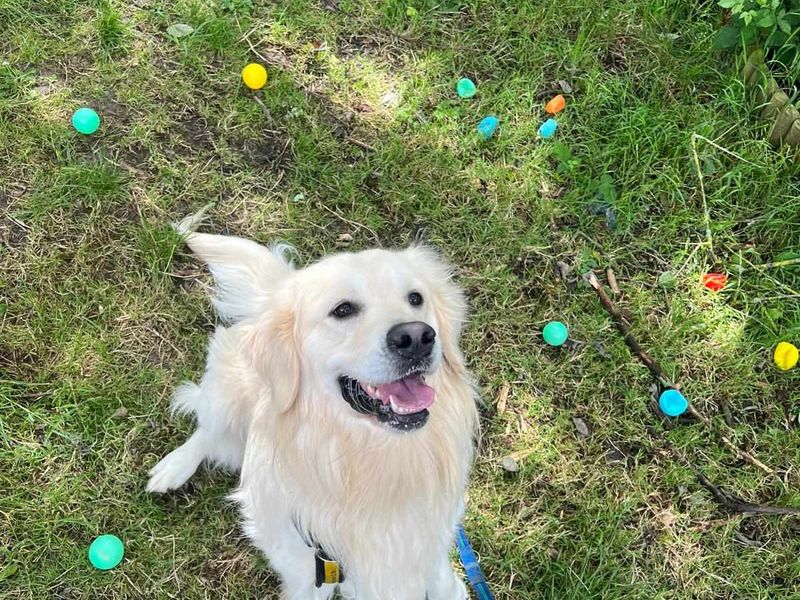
x=328, y=571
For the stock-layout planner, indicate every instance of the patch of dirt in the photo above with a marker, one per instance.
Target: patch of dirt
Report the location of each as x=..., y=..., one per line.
x=113, y=113
x=392, y=49
x=614, y=60
x=272, y=151
x=11, y=234
x=195, y=130
x=21, y=364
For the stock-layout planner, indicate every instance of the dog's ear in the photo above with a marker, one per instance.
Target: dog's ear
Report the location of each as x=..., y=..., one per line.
x=271, y=346
x=245, y=272
x=449, y=303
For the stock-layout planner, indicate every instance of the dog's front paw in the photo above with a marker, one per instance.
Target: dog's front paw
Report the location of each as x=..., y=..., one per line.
x=173, y=470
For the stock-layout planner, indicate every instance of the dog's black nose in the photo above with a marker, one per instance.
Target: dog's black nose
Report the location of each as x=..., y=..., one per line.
x=412, y=341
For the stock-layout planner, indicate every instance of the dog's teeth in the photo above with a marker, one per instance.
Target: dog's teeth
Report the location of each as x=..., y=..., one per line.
x=398, y=409
x=370, y=390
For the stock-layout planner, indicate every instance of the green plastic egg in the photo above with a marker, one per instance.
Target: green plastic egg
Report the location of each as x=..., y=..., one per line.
x=555, y=333
x=85, y=120
x=106, y=552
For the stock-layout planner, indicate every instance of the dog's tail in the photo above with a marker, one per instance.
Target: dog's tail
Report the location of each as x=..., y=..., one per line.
x=185, y=398
x=246, y=273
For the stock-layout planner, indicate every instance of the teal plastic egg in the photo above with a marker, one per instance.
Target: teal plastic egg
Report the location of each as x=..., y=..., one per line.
x=548, y=129
x=106, y=552
x=488, y=126
x=555, y=333
x=465, y=88
x=672, y=403
x=86, y=121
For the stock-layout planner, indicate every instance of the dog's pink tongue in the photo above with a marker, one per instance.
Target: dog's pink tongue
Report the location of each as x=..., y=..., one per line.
x=409, y=392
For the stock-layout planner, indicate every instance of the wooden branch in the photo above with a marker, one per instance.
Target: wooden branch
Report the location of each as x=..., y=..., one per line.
x=734, y=504
x=612, y=281
x=658, y=372
x=360, y=144
x=623, y=328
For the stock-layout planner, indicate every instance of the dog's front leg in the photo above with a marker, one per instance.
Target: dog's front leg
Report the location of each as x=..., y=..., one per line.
x=445, y=584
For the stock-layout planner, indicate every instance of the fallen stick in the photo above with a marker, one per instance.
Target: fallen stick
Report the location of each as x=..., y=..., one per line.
x=723, y=498
x=612, y=281
x=658, y=372
x=360, y=144
x=738, y=505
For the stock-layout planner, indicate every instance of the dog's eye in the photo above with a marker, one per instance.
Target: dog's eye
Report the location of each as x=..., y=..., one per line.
x=415, y=299
x=344, y=310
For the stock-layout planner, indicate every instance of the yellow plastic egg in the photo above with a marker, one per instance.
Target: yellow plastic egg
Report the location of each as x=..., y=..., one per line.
x=254, y=76
x=786, y=356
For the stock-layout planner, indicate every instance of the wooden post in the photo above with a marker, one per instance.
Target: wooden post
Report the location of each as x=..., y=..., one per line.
x=787, y=117
x=755, y=60
x=792, y=137
x=775, y=105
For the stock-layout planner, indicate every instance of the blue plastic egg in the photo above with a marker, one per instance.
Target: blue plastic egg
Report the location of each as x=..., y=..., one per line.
x=488, y=126
x=672, y=403
x=548, y=129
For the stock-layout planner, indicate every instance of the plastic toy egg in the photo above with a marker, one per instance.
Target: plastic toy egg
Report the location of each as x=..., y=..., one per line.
x=786, y=356
x=555, y=333
x=85, y=121
x=556, y=105
x=465, y=88
x=488, y=126
x=672, y=403
x=106, y=552
x=715, y=281
x=254, y=76
x=548, y=129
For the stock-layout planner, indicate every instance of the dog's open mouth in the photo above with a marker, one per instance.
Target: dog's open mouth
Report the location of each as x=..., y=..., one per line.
x=401, y=404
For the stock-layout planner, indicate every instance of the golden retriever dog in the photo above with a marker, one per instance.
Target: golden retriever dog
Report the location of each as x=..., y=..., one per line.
x=340, y=393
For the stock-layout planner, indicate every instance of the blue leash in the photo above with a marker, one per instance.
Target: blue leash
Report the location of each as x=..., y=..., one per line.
x=471, y=566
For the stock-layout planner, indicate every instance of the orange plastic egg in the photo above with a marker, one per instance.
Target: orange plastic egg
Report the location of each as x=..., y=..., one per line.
x=556, y=105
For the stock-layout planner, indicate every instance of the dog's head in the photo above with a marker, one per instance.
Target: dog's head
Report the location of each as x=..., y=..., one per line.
x=361, y=336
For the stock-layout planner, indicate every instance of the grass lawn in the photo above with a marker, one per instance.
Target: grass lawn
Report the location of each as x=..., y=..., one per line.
x=361, y=141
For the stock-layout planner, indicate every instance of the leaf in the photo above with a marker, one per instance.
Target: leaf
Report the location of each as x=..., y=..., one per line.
x=710, y=165
x=411, y=12
x=727, y=37
x=667, y=280
x=606, y=189
x=561, y=152
x=777, y=39
x=766, y=19
x=729, y=3
x=180, y=30
x=565, y=86
x=502, y=398
x=601, y=350
x=510, y=464
x=581, y=427
x=562, y=269
x=8, y=571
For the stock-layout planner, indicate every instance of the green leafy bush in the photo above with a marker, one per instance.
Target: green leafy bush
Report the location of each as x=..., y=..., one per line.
x=772, y=24
x=774, y=21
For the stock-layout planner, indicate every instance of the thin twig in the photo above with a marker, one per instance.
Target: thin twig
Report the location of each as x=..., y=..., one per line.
x=623, y=328
x=737, y=505
x=706, y=213
x=658, y=372
x=773, y=265
x=360, y=144
x=612, y=281
x=697, y=136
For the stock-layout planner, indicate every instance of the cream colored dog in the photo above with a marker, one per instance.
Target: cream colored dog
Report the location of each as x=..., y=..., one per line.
x=340, y=392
